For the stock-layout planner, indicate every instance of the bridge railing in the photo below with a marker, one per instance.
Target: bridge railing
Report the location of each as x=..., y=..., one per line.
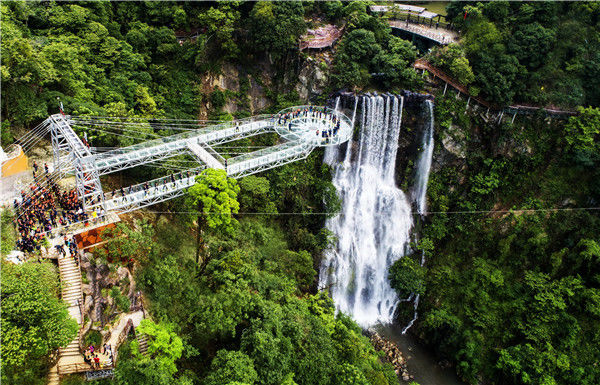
x=260, y=153
x=156, y=187
x=240, y=165
x=303, y=123
x=172, y=138
x=74, y=368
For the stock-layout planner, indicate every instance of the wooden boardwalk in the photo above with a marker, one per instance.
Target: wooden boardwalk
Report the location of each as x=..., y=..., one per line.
x=425, y=66
x=512, y=109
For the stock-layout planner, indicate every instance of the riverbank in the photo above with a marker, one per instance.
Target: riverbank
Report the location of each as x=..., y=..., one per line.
x=419, y=362
x=392, y=353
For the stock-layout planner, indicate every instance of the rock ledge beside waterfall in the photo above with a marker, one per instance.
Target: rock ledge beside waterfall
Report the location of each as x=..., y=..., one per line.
x=392, y=354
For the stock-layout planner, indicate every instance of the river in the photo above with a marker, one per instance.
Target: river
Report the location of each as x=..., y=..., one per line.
x=421, y=361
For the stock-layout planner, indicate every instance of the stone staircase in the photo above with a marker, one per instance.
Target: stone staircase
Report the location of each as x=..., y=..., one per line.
x=53, y=378
x=143, y=343
x=70, y=359
x=70, y=277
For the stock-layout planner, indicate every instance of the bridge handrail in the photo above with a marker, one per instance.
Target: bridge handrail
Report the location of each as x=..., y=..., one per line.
x=329, y=110
x=183, y=135
x=261, y=153
x=152, y=183
x=277, y=155
x=414, y=28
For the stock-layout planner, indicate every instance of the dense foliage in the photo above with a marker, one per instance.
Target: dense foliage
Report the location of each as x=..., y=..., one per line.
x=123, y=58
x=368, y=52
x=247, y=318
x=514, y=297
x=35, y=322
x=532, y=52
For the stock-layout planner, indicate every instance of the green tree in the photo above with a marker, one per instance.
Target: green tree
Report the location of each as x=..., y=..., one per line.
x=34, y=321
x=582, y=134
x=254, y=195
x=353, y=59
x=222, y=22
x=215, y=197
x=164, y=345
x=407, y=276
x=132, y=371
x=9, y=233
x=275, y=27
x=229, y=367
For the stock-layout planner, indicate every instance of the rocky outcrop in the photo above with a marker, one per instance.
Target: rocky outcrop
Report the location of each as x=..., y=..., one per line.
x=313, y=77
x=101, y=278
x=454, y=141
x=392, y=354
x=245, y=91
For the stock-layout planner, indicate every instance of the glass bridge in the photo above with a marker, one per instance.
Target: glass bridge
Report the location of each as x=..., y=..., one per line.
x=301, y=130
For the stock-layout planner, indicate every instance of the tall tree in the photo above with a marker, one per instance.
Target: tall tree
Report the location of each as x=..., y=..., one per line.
x=215, y=197
x=275, y=27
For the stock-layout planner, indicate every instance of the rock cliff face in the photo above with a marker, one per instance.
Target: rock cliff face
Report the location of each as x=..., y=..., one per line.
x=313, y=77
x=247, y=88
x=245, y=91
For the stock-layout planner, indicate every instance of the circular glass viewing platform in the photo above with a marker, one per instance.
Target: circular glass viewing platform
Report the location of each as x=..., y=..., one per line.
x=319, y=126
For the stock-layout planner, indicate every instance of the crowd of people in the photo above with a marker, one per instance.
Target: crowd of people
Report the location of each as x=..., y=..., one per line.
x=328, y=119
x=44, y=208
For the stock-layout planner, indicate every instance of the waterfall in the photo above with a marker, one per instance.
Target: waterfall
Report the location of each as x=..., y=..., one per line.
x=424, y=164
x=420, y=190
x=373, y=228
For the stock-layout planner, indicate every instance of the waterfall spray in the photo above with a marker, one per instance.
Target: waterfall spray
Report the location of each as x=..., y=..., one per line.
x=374, y=226
x=420, y=191
x=424, y=164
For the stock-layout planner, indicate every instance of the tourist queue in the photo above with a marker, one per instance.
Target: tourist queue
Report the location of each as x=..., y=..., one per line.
x=43, y=209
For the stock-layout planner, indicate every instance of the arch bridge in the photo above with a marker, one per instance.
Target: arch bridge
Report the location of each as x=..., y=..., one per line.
x=301, y=129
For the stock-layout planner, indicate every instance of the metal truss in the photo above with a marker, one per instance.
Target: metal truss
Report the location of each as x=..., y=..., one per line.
x=89, y=188
x=64, y=139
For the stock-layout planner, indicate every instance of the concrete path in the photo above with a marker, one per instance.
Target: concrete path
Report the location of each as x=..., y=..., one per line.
x=136, y=317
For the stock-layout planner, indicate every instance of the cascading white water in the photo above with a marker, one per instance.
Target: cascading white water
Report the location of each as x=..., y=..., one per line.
x=420, y=190
x=424, y=164
x=374, y=226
